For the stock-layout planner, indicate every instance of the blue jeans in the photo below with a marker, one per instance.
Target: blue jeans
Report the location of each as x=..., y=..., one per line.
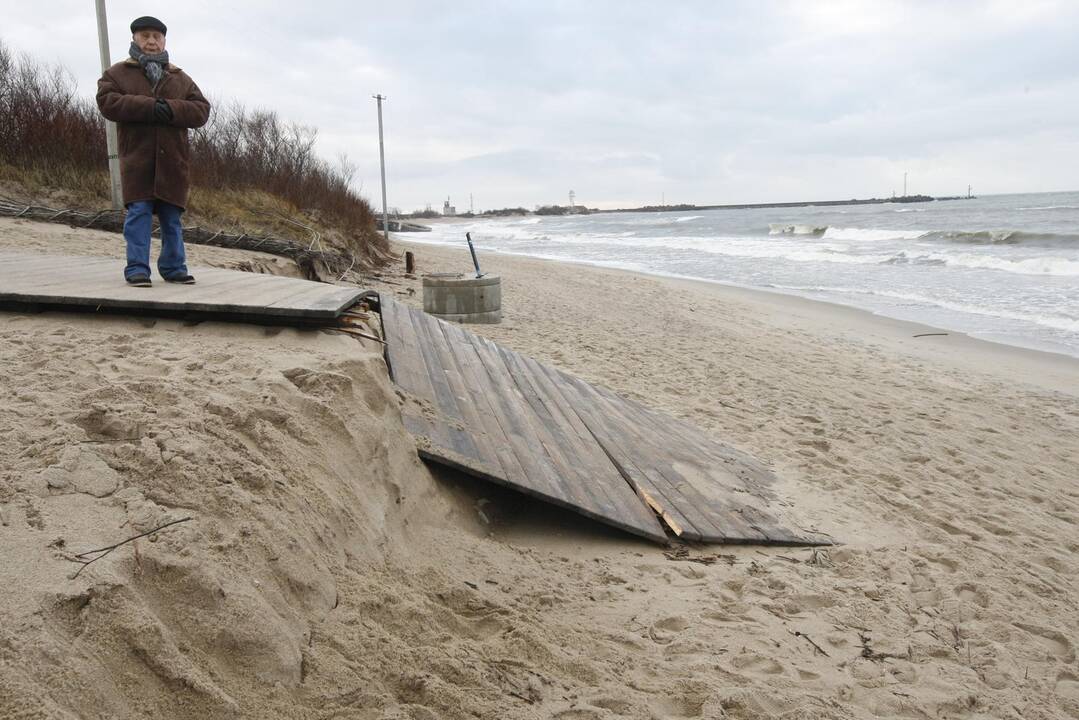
x=172, y=262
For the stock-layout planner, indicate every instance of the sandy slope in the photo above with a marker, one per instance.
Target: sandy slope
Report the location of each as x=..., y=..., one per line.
x=327, y=573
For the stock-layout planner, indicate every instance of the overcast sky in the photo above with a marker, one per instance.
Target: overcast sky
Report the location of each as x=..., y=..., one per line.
x=627, y=102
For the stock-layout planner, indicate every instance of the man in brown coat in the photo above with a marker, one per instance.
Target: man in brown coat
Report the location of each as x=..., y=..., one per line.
x=153, y=103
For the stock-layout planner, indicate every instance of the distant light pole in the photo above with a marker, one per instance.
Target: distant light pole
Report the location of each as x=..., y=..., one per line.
x=110, y=127
x=382, y=162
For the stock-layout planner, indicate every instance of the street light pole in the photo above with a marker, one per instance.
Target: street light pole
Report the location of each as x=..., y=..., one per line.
x=382, y=162
x=110, y=127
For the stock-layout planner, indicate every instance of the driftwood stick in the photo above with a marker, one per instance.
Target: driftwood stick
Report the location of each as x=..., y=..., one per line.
x=81, y=557
x=808, y=639
x=357, y=333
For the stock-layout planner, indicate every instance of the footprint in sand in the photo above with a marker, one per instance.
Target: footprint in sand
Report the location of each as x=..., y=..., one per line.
x=1067, y=686
x=755, y=664
x=1054, y=642
x=971, y=593
x=665, y=630
x=615, y=705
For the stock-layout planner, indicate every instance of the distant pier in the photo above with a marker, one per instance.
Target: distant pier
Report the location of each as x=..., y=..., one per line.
x=816, y=203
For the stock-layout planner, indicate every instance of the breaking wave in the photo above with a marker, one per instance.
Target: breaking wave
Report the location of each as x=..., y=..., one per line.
x=1005, y=237
x=782, y=229
x=1028, y=266
x=962, y=237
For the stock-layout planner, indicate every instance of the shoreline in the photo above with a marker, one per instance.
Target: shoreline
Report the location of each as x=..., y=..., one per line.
x=1051, y=370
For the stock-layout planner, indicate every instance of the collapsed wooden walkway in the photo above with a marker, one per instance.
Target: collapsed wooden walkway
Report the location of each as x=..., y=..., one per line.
x=65, y=282
x=505, y=417
x=472, y=404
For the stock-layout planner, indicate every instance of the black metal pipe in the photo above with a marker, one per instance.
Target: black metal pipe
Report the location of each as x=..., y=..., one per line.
x=472, y=250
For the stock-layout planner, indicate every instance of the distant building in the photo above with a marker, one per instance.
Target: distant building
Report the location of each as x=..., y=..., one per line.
x=447, y=209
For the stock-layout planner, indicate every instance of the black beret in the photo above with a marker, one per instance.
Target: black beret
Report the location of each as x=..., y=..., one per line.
x=148, y=22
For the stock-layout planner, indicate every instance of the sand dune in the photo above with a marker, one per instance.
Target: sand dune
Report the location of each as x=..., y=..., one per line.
x=326, y=572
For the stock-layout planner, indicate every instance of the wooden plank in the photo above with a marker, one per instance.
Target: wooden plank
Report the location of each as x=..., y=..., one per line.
x=598, y=416
x=411, y=373
x=717, y=494
x=271, y=296
x=566, y=485
x=95, y=281
x=646, y=443
x=20, y=267
x=550, y=437
x=116, y=294
x=81, y=272
x=633, y=447
x=595, y=472
x=461, y=441
x=406, y=364
x=553, y=436
x=478, y=422
x=735, y=507
x=526, y=445
x=25, y=275
x=489, y=412
x=651, y=450
x=323, y=297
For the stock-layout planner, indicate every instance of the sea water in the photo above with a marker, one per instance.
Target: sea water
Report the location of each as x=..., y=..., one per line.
x=1003, y=268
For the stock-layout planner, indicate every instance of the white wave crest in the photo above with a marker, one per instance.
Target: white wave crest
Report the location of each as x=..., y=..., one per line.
x=687, y=218
x=792, y=229
x=871, y=234
x=1057, y=266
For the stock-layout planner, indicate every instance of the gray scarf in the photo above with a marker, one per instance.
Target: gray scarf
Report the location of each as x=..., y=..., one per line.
x=152, y=65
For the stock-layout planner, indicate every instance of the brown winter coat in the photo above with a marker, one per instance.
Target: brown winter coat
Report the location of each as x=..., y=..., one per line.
x=154, y=159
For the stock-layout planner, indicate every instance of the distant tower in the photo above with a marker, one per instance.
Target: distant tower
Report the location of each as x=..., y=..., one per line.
x=572, y=200
x=447, y=209
x=904, y=184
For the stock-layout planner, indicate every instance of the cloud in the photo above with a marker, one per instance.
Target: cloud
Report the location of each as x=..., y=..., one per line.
x=624, y=101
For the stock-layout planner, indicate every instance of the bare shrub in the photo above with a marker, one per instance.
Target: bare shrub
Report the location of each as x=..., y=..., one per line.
x=45, y=126
x=48, y=129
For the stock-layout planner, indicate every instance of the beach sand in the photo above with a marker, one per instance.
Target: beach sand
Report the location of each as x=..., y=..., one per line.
x=326, y=572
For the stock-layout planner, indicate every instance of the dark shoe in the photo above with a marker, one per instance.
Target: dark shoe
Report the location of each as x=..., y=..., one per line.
x=181, y=279
x=140, y=281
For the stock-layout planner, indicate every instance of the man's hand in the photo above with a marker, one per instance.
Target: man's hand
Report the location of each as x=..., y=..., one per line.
x=162, y=112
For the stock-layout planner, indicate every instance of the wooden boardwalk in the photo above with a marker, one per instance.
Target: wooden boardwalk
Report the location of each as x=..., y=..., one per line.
x=89, y=282
x=505, y=417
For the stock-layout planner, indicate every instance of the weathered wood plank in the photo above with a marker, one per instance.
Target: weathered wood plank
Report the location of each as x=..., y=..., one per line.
x=593, y=468
x=548, y=433
x=723, y=492
x=517, y=426
x=488, y=410
x=91, y=281
x=719, y=495
x=446, y=400
x=602, y=421
x=553, y=436
x=410, y=370
x=564, y=485
x=511, y=427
